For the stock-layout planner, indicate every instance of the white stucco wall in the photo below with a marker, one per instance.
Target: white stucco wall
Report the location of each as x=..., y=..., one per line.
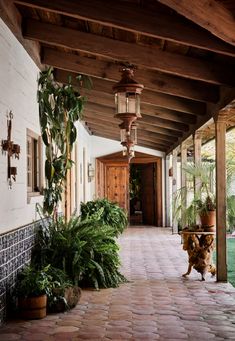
x=18, y=91
x=18, y=88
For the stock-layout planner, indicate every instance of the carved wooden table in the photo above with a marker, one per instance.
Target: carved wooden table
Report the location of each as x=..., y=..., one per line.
x=200, y=246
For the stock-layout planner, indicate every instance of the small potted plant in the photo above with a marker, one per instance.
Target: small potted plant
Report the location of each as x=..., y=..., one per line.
x=32, y=287
x=206, y=210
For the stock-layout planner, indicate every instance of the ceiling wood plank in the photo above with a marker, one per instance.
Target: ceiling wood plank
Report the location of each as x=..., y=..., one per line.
x=145, y=109
x=167, y=132
x=103, y=88
x=152, y=80
x=147, y=57
x=94, y=123
x=209, y=14
x=12, y=18
x=138, y=20
x=154, y=120
x=102, y=120
x=146, y=144
x=226, y=98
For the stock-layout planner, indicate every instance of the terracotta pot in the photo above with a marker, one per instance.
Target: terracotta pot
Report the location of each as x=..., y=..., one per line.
x=33, y=307
x=208, y=219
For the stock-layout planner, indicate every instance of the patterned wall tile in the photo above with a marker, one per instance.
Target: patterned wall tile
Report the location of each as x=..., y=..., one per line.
x=15, y=252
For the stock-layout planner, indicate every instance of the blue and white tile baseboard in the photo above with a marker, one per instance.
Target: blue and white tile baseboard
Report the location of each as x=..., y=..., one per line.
x=15, y=252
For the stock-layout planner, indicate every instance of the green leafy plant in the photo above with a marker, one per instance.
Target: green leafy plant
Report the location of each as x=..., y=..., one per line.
x=109, y=214
x=231, y=213
x=33, y=282
x=85, y=250
x=203, y=199
x=60, y=107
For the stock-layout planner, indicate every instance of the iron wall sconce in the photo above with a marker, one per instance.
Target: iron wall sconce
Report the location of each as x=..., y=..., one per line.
x=10, y=149
x=90, y=172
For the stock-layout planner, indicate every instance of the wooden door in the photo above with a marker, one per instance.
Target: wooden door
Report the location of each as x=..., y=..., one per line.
x=148, y=193
x=117, y=185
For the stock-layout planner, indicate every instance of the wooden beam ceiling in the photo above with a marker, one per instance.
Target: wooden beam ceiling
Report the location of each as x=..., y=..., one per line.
x=138, y=20
x=146, y=57
x=113, y=128
x=102, y=88
x=109, y=135
x=165, y=132
x=211, y=15
x=96, y=102
x=152, y=80
x=186, y=71
x=160, y=122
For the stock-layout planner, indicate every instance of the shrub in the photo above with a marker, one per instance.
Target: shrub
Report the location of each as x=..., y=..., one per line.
x=110, y=214
x=86, y=250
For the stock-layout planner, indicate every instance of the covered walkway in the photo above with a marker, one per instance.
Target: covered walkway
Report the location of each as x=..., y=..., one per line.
x=156, y=303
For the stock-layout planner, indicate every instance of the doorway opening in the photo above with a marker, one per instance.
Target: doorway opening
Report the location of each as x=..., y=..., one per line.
x=142, y=194
x=113, y=183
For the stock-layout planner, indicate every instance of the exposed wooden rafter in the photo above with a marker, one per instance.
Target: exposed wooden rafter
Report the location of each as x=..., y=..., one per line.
x=146, y=57
x=152, y=80
x=138, y=20
x=102, y=88
x=209, y=14
x=176, y=47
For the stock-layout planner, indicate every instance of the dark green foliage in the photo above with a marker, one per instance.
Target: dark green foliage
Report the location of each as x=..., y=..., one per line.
x=85, y=250
x=109, y=214
x=33, y=282
x=231, y=213
x=60, y=107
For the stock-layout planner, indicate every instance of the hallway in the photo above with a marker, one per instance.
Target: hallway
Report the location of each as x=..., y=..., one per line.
x=156, y=303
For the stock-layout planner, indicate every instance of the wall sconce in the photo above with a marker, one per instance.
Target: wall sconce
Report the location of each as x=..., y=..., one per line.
x=10, y=149
x=90, y=172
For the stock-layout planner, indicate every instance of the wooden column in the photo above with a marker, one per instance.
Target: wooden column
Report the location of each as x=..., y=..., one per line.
x=167, y=192
x=197, y=142
x=174, y=187
x=221, y=260
x=183, y=183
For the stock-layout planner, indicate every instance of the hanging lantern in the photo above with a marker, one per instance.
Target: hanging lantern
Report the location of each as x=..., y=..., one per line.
x=128, y=133
x=127, y=97
x=127, y=105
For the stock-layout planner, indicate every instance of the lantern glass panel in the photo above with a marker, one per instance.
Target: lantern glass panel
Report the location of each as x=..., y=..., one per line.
x=134, y=134
x=120, y=100
x=123, y=135
x=131, y=103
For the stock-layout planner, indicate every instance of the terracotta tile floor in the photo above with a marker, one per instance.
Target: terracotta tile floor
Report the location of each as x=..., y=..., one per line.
x=156, y=304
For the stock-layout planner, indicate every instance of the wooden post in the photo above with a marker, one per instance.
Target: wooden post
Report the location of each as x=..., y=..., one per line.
x=220, y=140
x=174, y=187
x=183, y=184
x=167, y=196
x=197, y=142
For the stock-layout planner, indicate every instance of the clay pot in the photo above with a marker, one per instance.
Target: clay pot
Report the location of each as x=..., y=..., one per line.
x=33, y=307
x=208, y=219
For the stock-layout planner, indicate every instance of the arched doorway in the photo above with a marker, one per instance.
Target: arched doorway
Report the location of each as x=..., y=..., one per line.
x=113, y=182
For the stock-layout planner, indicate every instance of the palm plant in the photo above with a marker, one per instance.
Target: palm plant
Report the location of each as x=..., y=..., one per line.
x=203, y=199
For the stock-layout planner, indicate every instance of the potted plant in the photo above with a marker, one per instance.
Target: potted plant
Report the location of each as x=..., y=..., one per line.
x=206, y=210
x=201, y=202
x=32, y=287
